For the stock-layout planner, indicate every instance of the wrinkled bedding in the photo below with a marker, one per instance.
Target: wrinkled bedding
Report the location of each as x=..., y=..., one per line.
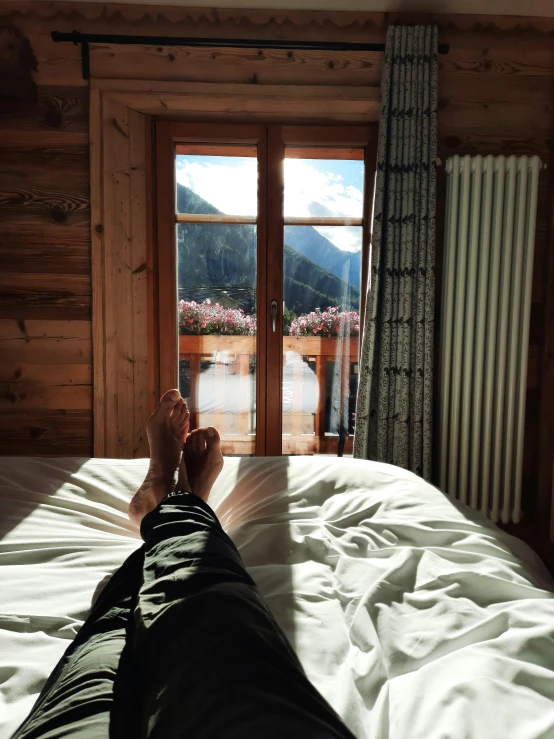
x=413, y=615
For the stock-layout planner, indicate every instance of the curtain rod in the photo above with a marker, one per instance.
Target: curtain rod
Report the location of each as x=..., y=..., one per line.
x=75, y=37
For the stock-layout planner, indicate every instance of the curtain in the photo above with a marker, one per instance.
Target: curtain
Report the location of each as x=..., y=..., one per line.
x=395, y=393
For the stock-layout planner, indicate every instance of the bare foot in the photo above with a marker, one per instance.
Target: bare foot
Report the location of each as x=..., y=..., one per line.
x=202, y=462
x=166, y=429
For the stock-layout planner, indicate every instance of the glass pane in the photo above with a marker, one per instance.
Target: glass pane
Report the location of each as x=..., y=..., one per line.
x=217, y=184
x=321, y=326
x=324, y=188
x=217, y=327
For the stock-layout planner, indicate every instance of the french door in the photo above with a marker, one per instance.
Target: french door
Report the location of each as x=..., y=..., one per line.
x=262, y=253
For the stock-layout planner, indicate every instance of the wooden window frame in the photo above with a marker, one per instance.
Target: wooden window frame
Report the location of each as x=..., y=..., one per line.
x=126, y=376
x=272, y=144
x=169, y=135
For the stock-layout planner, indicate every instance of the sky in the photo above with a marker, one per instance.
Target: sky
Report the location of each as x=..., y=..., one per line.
x=313, y=187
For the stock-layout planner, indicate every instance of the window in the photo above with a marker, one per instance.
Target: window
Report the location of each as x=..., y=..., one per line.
x=263, y=237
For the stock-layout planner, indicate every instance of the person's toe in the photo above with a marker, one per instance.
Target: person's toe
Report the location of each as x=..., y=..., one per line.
x=200, y=442
x=183, y=424
x=212, y=437
x=190, y=445
x=168, y=402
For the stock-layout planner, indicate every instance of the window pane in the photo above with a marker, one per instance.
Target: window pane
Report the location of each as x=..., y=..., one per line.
x=321, y=327
x=217, y=327
x=324, y=188
x=217, y=184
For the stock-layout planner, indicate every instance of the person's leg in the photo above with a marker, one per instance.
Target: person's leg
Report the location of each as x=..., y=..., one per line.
x=92, y=692
x=92, y=685
x=214, y=664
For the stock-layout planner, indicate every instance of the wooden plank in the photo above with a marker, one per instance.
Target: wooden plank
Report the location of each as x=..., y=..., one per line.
x=243, y=447
x=37, y=235
x=324, y=152
x=45, y=296
x=49, y=375
x=139, y=277
x=27, y=203
x=479, y=89
x=210, y=344
x=55, y=109
x=243, y=66
x=45, y=342
x=53, y=258
x=312, y=346
x=499, y=119
x=264, y=102
x=260, y=421
x=323, y=221
x=275, y=194
x=98, y=267
x=211, y=150
x=59, y=65
x=358, y=136
x=166, y=251
x=32, y=395
x=65, y=139
x=118, y=315
x=213, y=218
x=500, y=64
x=57, y=167
x=49, y=386
x=451, y=141
x=45, y=431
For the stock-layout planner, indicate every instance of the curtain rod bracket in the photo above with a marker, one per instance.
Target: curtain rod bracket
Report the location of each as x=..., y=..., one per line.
x=84, y=39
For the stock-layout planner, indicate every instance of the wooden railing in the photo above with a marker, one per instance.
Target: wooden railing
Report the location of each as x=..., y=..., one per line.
x=303, y=433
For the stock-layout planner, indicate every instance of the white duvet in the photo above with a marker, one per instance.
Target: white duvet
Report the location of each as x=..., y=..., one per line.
x=415, y=617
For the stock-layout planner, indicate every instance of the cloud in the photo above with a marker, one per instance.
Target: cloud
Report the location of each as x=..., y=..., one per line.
x=309, y=191
x=231, y=189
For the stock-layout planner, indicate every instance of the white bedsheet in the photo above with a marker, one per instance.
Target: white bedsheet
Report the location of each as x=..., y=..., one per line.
x=415, y=617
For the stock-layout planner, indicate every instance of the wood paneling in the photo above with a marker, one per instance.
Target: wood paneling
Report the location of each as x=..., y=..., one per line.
x=45, y=281
x=45, y=342
x=496, y=92
x=46, y=432
x=119, y=277
x=44, y=296
x=197, y=101
x=56, y=109
x=267, y=67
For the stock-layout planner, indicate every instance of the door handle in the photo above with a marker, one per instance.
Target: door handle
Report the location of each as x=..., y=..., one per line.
x=274, y=315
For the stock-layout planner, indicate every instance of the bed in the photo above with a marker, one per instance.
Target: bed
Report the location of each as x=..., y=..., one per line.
x=413, y=615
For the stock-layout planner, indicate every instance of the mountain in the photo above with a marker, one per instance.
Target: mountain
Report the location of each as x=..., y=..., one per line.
x=219, y=262
x=309, y=242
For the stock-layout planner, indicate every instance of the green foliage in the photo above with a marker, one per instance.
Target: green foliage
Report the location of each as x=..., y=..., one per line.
x=288, y=318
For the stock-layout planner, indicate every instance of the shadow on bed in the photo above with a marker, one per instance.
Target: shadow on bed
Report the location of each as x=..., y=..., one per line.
x=19, y=500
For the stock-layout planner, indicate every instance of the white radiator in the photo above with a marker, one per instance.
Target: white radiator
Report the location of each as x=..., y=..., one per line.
x=491, y=211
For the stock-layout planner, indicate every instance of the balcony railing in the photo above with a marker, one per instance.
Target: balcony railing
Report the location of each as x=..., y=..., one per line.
x=229, y=378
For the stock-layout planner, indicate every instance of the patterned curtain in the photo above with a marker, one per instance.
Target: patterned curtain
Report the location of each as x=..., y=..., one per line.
x=394, y=406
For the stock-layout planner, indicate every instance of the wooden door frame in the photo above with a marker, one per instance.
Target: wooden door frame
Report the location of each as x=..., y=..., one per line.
x=125, y=362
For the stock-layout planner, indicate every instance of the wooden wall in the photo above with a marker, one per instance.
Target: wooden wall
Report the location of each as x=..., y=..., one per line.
x=496, y=91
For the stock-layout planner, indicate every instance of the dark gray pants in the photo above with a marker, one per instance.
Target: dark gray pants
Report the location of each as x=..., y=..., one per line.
x=181, y=644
